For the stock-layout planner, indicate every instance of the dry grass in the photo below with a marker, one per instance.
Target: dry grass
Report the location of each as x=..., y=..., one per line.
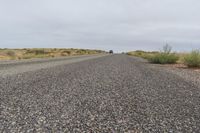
x=192, y=59
x=13, y=54
x=181, y=60
x=143, y=54
x=165, y=56
x=148, y=55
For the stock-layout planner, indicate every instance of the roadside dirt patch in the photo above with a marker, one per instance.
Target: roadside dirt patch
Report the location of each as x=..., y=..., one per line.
x=182, y=66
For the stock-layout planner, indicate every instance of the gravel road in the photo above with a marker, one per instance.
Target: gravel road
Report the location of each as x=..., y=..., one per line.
x=114, y=93
x=21, y=66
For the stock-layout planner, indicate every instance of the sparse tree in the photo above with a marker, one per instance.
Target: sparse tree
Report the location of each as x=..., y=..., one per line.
x=167, y=49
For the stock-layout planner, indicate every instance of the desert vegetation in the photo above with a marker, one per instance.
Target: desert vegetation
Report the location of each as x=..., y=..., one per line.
x=166, y=56
x=143, y=54
x=11, y=54
x=192, y=59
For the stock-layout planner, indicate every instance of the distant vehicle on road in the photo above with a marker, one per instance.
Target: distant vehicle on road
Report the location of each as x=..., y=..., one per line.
x=111, y=52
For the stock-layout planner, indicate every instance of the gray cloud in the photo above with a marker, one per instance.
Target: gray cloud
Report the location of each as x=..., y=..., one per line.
x=121, y=25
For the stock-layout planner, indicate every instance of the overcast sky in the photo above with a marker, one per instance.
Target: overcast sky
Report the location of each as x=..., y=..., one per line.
x=121, y=25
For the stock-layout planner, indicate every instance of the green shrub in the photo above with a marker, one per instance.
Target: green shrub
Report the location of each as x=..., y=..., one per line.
x=36, y=51
x=193, y=59
x=10, y=53
x=66, y=52
x=163, y=58
x=27, y=57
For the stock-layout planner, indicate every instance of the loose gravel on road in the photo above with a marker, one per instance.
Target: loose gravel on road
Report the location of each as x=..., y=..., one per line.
x=21, y=66
x=114, y=93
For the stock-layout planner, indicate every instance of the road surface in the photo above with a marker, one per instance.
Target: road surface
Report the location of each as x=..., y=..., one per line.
x=114, y=93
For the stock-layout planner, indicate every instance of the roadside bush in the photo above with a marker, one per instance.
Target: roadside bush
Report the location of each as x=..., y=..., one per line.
x=10, y=53
x=66, y=52
x=36, y=51
x=193, y=59
x=81, y=51
x=40, y=51
x=164, y=57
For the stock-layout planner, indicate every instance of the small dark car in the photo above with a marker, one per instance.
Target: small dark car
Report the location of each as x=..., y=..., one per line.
x=111, y=52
